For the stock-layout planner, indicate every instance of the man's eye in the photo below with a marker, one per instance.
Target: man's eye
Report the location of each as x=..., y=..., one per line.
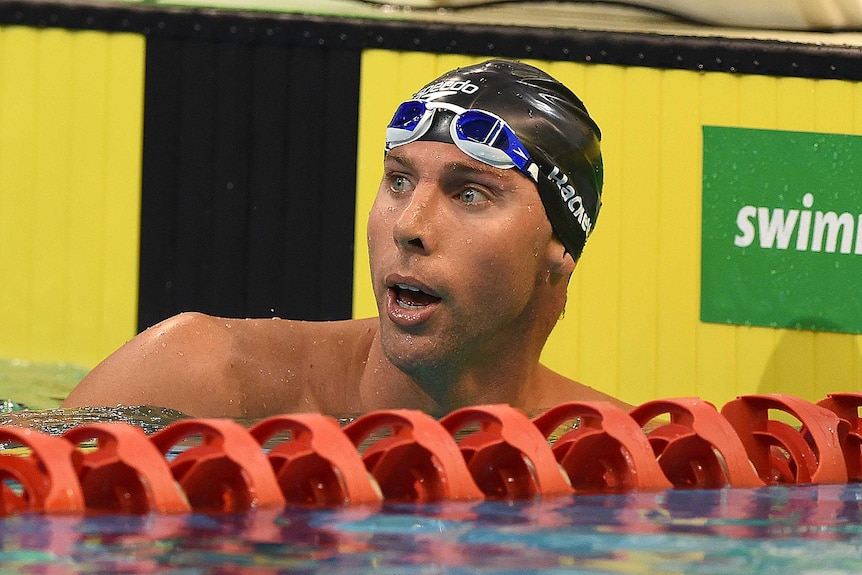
x=472, y=196
x=399, y=183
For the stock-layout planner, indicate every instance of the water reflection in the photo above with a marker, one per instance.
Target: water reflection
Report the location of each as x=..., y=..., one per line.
x=782, y=529
x=57, y=421
x=769, y=530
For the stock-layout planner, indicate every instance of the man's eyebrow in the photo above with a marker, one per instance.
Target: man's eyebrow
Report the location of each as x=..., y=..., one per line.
x=470, y=167
x=404, y=161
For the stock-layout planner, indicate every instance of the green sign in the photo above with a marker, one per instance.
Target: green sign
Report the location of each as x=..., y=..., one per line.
x=782, y=229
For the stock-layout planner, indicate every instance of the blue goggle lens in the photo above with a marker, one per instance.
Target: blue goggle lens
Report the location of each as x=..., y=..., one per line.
x=480, y=128
x=408, y=115
x=479, y=134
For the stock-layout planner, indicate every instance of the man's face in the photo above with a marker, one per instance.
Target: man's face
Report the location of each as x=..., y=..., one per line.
x=459, y=253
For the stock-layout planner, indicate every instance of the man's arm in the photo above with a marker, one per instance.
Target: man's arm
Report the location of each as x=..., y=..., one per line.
x=177, y=364
x=208, y=366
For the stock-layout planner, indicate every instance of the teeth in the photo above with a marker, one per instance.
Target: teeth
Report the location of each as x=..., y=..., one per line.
x=407, y=287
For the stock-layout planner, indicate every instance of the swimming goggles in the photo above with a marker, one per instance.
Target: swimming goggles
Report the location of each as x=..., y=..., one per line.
x=479, y=134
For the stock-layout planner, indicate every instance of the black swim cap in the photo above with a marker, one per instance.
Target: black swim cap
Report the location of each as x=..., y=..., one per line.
x=553, y=125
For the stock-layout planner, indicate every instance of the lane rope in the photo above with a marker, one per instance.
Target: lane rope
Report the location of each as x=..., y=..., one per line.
x=493, y=452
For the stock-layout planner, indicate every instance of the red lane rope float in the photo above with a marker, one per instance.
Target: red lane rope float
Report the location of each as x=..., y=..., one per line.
x=606, y=452
x=216, y=465
x=418, y=462
x=125, y=473
x=508, y=457
x=782, y=454
x=846, y=406
x=46, y=478
x=227, y=472
x=318, y=465
x=697, y=448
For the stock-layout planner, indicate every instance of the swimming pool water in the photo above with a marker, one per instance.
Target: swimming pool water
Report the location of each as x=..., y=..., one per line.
x=36, y=385
x=800, y=529
x=797, y=529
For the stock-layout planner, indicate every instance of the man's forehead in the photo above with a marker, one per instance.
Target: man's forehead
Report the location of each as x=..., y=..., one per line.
x=444, y=153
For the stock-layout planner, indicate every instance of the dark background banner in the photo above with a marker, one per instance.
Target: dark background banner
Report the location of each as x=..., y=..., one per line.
x=248, y=180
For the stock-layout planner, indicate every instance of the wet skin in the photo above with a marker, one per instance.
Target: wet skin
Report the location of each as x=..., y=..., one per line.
x=469, y=281
x=466, y=271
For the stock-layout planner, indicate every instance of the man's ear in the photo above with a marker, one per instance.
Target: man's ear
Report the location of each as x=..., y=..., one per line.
x=562, y=262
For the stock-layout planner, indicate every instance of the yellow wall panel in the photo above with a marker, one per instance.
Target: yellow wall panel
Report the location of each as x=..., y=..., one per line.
x=638, y=198
x=834, y=110
x=51, y=130
x=71, y=110
x=794, y=104
x=677, y=262
x=122, y=127
x=632, y=324
x=18, y=53
x=834, y=359
x=595, y=290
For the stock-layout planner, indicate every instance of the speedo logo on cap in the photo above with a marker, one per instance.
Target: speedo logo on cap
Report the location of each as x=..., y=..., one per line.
x=446, y=88
x=572, y=199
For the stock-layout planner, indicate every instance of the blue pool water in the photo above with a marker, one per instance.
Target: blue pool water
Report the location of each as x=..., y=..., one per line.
x=776, y=530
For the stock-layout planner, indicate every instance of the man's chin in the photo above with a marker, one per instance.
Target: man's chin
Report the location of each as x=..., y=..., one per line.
x=413, y=354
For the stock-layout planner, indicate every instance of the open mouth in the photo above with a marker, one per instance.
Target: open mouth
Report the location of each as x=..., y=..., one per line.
x=411, y=297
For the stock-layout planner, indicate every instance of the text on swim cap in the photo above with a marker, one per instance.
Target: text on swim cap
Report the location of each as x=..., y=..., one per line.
x=447, y=87
x=572, y=199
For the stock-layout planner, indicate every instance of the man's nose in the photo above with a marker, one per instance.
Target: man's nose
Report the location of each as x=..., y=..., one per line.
x=414, y=227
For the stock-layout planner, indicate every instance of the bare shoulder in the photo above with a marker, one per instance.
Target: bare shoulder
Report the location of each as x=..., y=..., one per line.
x=157, y=367
x=555, y=389
x=302, y=365
x=210, y=366
x=287, y=366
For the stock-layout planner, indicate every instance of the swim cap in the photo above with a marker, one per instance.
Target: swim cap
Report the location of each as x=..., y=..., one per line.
x=551, y=122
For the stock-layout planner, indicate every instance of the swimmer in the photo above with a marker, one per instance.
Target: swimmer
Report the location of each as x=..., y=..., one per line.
x=492, y=179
